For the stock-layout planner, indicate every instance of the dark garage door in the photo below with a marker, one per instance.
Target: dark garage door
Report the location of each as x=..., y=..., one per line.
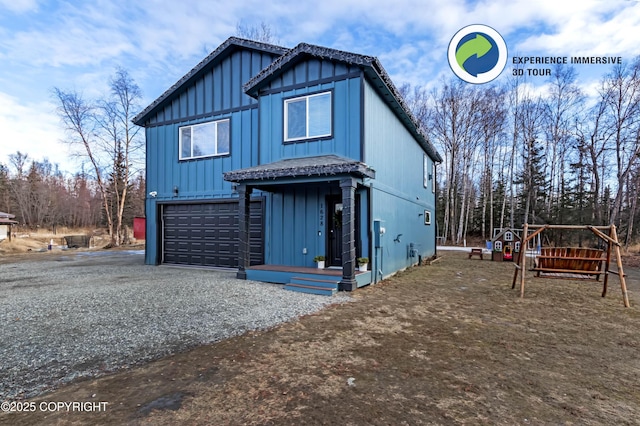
x=207, y=234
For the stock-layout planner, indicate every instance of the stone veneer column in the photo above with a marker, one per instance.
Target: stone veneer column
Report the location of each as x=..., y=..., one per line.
x=244, y=212
x=348, y=282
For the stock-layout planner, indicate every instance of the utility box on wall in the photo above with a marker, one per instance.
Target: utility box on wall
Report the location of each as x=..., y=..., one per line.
x=378, y=232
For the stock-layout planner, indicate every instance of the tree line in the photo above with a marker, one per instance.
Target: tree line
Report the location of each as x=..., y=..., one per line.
x=513, y=154
x=40, y=195
x=516, y=154
x=110, y=191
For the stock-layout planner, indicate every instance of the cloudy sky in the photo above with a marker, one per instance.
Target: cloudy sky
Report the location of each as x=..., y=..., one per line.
x=78, y=44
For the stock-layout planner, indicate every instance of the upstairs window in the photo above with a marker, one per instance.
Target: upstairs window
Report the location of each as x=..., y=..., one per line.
x=433, y=177
x=428, y=176
x=307, y=117
x=425, y=171
x=205, y=140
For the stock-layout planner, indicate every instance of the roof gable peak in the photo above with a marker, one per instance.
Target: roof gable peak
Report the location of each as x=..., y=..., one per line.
x=228, y=46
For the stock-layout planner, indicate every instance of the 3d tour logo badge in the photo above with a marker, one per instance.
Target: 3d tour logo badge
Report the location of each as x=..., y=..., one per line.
x=477, y=54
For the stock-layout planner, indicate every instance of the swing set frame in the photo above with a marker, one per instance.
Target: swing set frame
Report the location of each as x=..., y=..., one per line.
x=573, y=260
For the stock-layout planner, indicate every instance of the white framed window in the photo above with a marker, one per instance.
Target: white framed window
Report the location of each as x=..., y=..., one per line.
x=427, y=217
x=205, y=140
x=425, y=170
x=516, y=246
x=498, y=246
x=508, y=236
x=307, y=117
x=433, y=177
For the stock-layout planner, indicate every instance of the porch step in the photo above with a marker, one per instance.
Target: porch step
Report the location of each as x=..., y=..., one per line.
x=313, y=286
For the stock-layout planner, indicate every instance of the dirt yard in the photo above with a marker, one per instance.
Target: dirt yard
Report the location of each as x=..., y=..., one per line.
x=449, y=343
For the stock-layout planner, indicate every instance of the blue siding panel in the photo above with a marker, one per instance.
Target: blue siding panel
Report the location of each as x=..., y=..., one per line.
x=175, y=108
x=346, y=123
x=313, y=69
x=296, y=220
x=300, y=73
x=151, y=237
x=218, y=88
x=327, y=69
x=236, y=81
x=208, y=91
x=398, y=195
x=288, y=79
x=199, y=97
x=227, y=78
x=191, y=98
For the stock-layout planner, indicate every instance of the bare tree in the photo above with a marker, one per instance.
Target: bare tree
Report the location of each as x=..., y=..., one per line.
x=120, y=140
x=18, y=185
x=492, y=122
x=560, y=111
x=530, y=125
x=262, y=32
x=454, y=125
x=79, y=119
x=621, y=95
x=108, y=140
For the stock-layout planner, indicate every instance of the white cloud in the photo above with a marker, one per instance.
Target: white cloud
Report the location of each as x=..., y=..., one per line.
x=33, y=129
x=19, y=6
x=78, y=45
x=589, y=27
x=73, y=37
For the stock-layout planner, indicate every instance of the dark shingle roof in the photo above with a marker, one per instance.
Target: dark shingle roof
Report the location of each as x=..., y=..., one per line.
x=294, y=55
x=5, y=218
x=219, y=53
x=323, y=165
x=373, y=70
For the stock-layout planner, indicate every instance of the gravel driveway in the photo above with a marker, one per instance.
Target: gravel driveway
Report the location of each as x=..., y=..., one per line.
x=88, y=313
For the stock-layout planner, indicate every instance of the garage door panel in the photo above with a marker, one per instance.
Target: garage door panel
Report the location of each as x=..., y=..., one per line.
x=207, y=234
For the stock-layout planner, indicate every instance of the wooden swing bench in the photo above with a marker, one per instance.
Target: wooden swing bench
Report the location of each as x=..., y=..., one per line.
x=569, y=262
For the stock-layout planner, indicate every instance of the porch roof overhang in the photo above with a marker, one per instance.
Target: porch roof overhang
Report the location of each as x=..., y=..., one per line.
x=303, y=169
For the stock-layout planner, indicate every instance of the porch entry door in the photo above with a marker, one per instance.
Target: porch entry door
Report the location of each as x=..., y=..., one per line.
x=334, y=229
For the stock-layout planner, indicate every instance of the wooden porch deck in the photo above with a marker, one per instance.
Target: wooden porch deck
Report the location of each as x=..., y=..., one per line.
x=284, y=273
x=302, y=270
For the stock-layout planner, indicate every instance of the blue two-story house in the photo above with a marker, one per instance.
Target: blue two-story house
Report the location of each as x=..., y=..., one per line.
x=262, y=158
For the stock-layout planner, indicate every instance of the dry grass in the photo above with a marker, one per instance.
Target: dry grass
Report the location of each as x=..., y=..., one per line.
x=27, y=240
x=21, y=245
x=450, y=343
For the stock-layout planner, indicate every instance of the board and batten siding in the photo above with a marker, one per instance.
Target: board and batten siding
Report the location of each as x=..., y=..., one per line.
x=214, y=93
x=295, y=224
x=216, y=88
x=307, y=78
x=399, y=197
x=298, y=221
x=312, y=71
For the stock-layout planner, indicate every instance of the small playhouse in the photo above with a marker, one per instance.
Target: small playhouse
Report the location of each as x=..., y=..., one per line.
x=505, y=245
